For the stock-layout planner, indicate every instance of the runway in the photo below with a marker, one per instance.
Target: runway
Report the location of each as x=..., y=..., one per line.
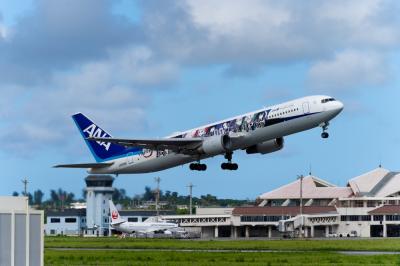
x=344, y=252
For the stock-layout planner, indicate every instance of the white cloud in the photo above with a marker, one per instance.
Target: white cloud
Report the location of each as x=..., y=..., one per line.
x=365, y=22
x=237, y=18
x=106, y=90
x=255, y=32
x=3, y=32
x=348, y=69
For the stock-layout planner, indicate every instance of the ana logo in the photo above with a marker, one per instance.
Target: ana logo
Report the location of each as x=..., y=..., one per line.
x=114, y=215
x=94, y=131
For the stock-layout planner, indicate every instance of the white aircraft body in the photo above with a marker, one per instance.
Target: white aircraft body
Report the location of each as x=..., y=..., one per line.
x=150, y=225
x=261, y=131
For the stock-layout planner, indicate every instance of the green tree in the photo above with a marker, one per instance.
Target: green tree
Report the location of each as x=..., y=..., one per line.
x=148, y=194
x=38, y=197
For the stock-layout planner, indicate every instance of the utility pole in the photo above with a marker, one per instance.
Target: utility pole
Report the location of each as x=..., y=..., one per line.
x=301, y=204
x=157, y=179
x=190, y=186
x=25, y=181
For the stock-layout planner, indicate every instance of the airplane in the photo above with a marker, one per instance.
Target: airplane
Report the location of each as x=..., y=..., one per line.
x=152, y=224
x=261, y=131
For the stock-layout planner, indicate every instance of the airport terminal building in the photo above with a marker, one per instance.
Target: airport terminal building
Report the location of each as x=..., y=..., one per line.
x=368, y=206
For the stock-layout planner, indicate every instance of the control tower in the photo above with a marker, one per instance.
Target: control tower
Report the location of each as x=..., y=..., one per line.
x=98, y=191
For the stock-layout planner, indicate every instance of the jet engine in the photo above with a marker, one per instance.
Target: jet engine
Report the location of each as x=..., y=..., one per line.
x=216, y=145
x=266, y=146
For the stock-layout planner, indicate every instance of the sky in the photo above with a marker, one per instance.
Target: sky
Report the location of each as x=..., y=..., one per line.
x=145, y=69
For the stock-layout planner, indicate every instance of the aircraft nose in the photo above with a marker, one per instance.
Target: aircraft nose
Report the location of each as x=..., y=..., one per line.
x=339, y=106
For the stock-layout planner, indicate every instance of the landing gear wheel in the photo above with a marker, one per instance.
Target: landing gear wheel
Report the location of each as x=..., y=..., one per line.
x=324, y=135
x=198, y=166
x=202, y=167
x=234, y=166
x=229, y=166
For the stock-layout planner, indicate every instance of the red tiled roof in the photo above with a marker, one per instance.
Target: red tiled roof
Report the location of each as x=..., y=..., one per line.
x=283, y=210
x=386, y=209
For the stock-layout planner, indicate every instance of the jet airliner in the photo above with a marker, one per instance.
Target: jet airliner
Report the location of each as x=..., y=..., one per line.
x=261, y=131
x=152, y=224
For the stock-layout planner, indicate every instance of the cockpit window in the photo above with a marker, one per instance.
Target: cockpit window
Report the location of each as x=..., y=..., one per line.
x=327, y=100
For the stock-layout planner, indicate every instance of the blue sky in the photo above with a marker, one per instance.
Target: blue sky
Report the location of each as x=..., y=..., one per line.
x=150, y=68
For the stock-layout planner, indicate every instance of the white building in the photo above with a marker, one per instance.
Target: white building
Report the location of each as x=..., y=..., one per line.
x=71, y=222
x=369, y=206
x=21, y=232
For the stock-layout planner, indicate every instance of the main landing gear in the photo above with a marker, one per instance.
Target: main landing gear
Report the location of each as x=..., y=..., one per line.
x=229, y=165
x=198, y=166
x=325, y=134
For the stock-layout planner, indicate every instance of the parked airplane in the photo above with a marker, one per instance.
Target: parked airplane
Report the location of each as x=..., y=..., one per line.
x=148, y=226
x=261, y=132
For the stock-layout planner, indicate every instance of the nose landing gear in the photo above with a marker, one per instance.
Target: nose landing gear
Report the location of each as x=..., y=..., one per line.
x=325, y=134
x=229, y=165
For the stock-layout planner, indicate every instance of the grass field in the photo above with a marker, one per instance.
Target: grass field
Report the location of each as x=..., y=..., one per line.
x=115, y=257
x=225, y=252
x=292, y=245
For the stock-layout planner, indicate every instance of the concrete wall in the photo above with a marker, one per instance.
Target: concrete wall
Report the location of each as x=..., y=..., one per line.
x=21, y=236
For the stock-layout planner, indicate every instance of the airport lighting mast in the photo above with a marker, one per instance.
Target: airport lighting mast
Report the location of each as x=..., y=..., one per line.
x=301, y=205
x=190, y=186
x=25, y=182
x=157, y=179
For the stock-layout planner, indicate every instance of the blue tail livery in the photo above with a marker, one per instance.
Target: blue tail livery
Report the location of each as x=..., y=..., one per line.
x=101, y=150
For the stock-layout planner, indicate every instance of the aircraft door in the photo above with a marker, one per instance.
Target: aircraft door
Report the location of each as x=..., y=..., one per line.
x=306, y=107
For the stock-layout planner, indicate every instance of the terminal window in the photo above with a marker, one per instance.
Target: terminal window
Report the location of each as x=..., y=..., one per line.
x=132, y=219
x=70, y=220
x=54, y=220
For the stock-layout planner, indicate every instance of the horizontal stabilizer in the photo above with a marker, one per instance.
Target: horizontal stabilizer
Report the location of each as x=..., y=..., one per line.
x=83, y=165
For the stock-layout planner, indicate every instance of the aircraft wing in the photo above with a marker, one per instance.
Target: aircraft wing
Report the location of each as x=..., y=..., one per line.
x=83, y=165
x=155, y=144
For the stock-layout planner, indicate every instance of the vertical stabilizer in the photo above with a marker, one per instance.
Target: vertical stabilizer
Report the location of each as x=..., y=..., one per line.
x=101, y=151
x=115, y=217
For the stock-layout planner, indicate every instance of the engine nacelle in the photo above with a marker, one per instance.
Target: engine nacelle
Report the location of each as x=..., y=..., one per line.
x=216, y=145
x=266, y=146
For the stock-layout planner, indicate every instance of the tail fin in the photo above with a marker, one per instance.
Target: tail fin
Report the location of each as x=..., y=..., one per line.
x=101, y=151
x=115, y=218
